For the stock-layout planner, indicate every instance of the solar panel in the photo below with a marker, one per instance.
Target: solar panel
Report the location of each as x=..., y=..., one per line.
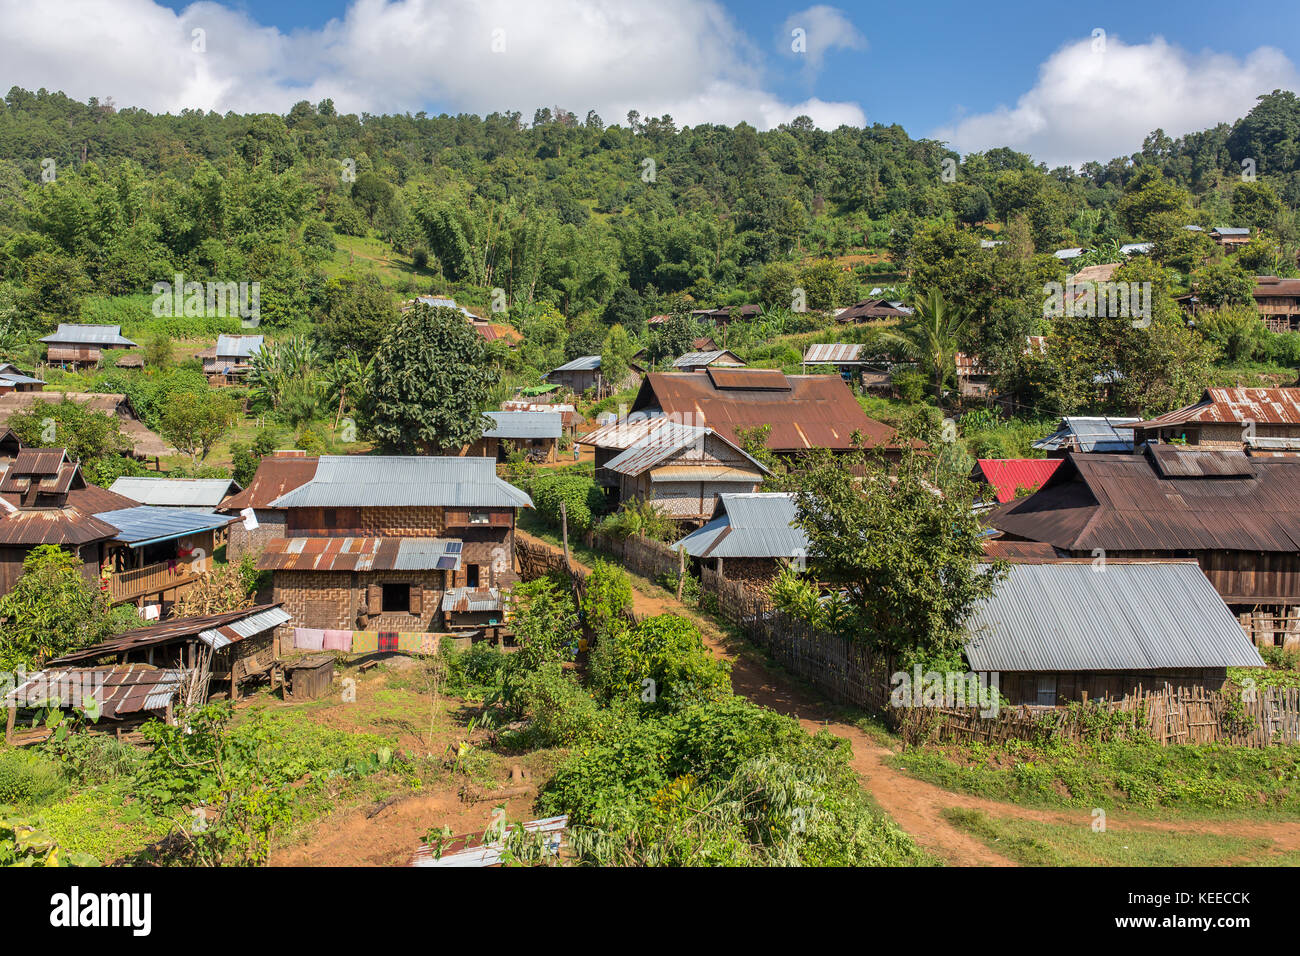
x=454, y=547
x=446, y=564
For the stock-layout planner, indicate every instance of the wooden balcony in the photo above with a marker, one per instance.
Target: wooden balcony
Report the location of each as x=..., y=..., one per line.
x=154, y=579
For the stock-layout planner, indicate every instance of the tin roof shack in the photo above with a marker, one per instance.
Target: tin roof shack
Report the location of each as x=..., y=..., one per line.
x=1056, y=632
x=749, y=538
x=1230, y=235
x=851, y=363
x=974, y=378
x=128, y=695
x=260, y=521
x=570, y=418
x=14, y=379
x=680, y=469
x=584, y=373
x=374, y=542
x=536, y=433
x=1276, y=300
x=158, y=554
x=231, y=359
x=804, y=411
x=144, y=443
x=712, y=358
x=82, y=345
x=1238, y=516
x=873, y=310
x=1100, y=435
x=45, y=500
x=233, y=647
x=1009, y=478
x=473, y=609
x=1259, y=421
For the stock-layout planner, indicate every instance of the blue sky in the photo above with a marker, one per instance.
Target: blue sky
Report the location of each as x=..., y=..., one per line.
x=1028, y=75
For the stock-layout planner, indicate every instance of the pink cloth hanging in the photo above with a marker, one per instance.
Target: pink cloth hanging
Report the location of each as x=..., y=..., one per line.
x=338, y=641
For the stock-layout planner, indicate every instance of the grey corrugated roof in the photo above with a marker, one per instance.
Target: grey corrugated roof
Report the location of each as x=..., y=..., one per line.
x=238, y=346
x=701, y=358
x=174, y=492
x=1112, y=617
x=525, y=425
x=833, y=353
x=245, y=627
x=392, y=481
x=757, y=525
x=1232, y=231
x=1131, y=247
x=585, y=363
x=1090, y=434
x=74, y=334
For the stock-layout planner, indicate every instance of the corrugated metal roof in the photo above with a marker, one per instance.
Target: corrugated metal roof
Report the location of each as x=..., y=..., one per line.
x=226, y=634
x=124, y=689
x=697, y=359
x=584, y=363
x=75, y=334
x=145, y=524
x=1006, y=475
x=276, y=475
x=353, y=481
x=177, y=629
x=1123, y=503
x=1232, y=230
x=832, y=353
x=1123, y=617
x=753, y=525
x=1085, y=434
x=361, y=554
x=530, y=424
x=1264, y=406
x=812, y=411
x=238, y=346
x=175, y=492
x=621, y=433
x=1072, y=253
x=469, y=600
x=1131, y=247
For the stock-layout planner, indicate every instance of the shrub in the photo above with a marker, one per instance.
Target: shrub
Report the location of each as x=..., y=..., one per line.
x=28, y=777
x=660, y=660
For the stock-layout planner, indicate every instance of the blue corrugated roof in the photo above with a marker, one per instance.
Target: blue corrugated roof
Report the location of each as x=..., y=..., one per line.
x=147, y=524
x=757, y=525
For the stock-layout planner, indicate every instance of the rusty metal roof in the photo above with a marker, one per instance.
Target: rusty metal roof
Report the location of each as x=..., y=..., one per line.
x=813, y=411
x=1264, y=406
x=873, y=309
x=66, y=525
x=276, y=475
x=1126, y=503
x=178, y=629
x=361, y=554
x=749, y=379
x=121, y=690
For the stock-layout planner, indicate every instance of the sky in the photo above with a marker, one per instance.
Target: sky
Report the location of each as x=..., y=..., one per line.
x=1062, y=83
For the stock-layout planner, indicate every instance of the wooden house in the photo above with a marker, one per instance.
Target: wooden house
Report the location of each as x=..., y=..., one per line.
x=231, y=359
x=680, y=469
x=1277, y=301
x=713, y=358
x=14, y=379
x=749, y=537
x=78, y=346
x=1259, y=421
x=234, y=647
x=1058, y=631
x=260, y=521
x=372, y=544
x=1230, y=235
x=1238, y=516
x=873, y=310
x=802, y=411
x=535, y=433
x=584, y=373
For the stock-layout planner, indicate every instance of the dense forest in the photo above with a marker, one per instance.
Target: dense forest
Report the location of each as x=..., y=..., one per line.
x=568, y=227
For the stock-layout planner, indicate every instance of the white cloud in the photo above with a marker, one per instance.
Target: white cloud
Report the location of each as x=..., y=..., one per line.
x=683, y=57
x=1096, y=104
x=824, y=29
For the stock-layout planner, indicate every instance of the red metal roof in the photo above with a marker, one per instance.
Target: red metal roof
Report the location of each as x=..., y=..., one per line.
x=276, y=475
x=1006, y=475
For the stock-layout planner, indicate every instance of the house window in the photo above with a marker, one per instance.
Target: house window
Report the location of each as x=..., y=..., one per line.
x=479, y=517
x=397, y=599
x=1047, y=691
x=471, y=575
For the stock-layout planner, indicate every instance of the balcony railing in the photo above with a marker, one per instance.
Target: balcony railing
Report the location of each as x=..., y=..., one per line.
x=155, y=578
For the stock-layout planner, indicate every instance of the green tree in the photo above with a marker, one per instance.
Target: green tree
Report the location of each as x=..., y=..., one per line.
x=932, y=337
x=903, y=547
x=87, y=435
x=51, y=610
x=195, y=421
x=431, y=383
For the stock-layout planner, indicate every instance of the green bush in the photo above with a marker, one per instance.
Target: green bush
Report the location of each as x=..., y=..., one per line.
x=583, y=498
x=28, y=777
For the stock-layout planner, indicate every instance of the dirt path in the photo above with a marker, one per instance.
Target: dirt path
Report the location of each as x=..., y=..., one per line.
x=915, y=805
